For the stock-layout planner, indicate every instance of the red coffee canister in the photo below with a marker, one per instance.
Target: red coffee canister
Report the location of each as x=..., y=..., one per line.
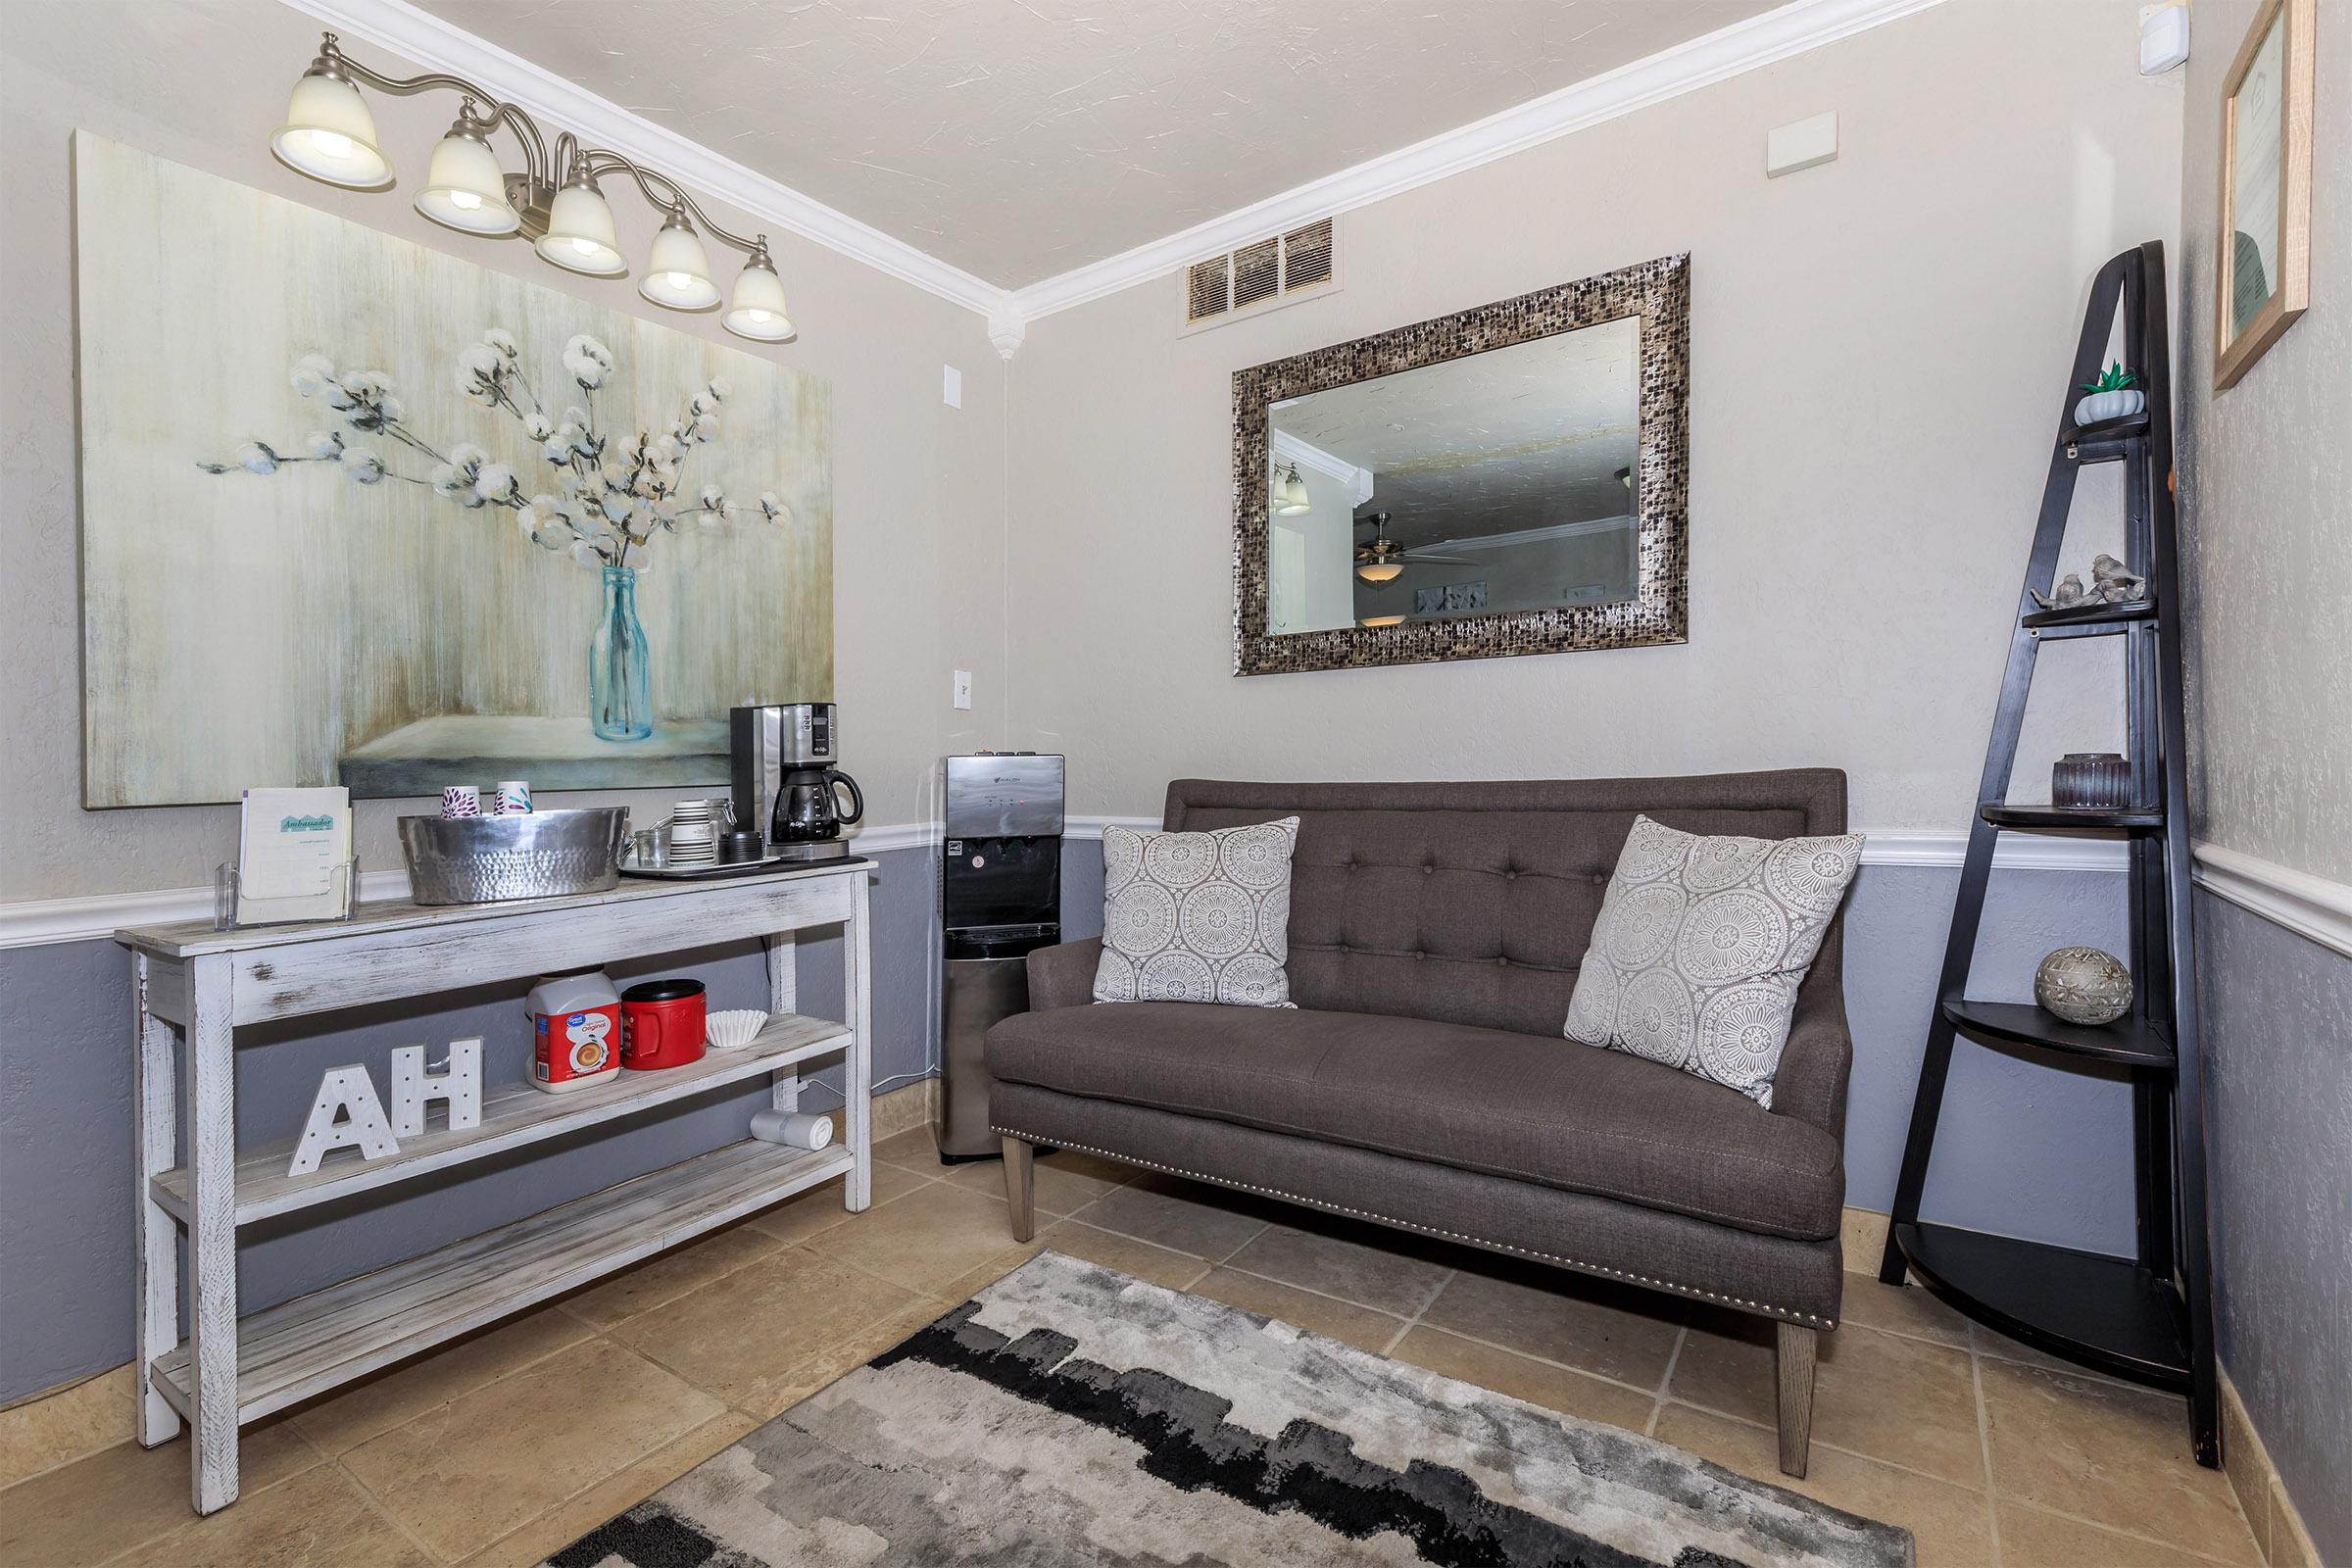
x=661, y=1024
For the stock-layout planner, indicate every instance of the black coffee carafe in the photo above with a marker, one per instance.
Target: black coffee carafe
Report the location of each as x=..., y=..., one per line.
x=808, y=810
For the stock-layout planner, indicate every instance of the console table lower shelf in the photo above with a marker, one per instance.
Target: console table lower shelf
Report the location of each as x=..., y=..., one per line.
x=314, y=1343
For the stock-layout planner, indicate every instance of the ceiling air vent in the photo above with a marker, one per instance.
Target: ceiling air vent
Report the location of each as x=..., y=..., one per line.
x=1307, y=256
x=1261, y=275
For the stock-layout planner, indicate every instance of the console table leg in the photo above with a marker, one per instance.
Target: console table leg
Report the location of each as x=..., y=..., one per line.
x=213, y=1233
x=857, y=1074
x=783, y=997
x=155, y=1090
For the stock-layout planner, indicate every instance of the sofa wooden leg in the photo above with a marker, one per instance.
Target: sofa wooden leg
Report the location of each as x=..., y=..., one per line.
x=1020, y=1189
x=1794, y=1359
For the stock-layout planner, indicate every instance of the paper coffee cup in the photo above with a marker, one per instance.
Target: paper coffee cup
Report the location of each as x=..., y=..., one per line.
x=460, y=800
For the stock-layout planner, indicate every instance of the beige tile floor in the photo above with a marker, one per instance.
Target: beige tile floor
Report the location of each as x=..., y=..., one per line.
x=504, y=1446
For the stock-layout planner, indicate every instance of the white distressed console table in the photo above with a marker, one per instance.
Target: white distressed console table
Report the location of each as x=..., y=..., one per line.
x=195, y=984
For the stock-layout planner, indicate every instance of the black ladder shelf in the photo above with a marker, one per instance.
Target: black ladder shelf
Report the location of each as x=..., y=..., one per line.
x=2147, y=1318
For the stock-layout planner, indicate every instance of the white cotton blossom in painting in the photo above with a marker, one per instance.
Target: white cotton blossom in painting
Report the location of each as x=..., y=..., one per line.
x=607, y=496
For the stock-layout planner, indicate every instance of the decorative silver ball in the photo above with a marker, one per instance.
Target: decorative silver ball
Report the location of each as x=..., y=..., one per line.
x=2083, y=985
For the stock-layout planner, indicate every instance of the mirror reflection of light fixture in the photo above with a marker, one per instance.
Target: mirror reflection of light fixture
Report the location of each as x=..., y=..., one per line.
x=1380, y=620
x=554, y=200
x=1625, y=477
x=1379, y=570
x=1289, y=494
x=464, y=189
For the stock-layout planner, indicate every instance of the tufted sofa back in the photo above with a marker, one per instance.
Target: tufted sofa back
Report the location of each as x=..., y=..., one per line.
x=1473, y=903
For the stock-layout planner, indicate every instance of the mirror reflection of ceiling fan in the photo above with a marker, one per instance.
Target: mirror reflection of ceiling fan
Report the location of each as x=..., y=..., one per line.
x=1382, y=558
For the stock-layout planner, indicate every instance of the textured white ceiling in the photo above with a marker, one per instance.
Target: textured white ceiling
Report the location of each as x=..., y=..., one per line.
x=1020, y=138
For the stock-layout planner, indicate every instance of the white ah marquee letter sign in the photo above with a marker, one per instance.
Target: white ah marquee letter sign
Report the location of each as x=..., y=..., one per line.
x=345, y=1115
x=460, y=1084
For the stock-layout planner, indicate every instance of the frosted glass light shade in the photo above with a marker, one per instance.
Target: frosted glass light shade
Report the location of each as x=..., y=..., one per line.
x=579, y=235
x=1379, y=570
x=756, y=311
x=465, y=189
x=1380, y=620
x=331, y=136
x=677, y=274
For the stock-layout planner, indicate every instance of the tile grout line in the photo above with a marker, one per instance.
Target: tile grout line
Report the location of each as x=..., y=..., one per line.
x=399, y=1525
x=1992, y=1507
x=1414, y=1321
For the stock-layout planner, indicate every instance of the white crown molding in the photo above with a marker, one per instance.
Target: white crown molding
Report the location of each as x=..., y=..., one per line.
x=440, y=45
x=2310, y=907
x=1284, y=448
x=1719, y=55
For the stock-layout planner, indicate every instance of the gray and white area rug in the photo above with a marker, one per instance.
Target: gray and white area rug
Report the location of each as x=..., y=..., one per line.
x=1071, y=1415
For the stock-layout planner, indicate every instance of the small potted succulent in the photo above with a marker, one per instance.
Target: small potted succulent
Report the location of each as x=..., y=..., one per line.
x=2111, y=396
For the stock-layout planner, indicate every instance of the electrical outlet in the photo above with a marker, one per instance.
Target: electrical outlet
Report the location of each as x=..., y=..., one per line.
x=964, y=688
x=951, y=386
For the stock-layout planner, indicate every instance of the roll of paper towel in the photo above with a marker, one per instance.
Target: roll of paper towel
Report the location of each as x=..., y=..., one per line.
x=791, y=1129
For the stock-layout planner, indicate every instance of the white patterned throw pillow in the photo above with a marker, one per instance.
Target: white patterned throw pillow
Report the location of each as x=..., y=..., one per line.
x=1198, y=917
x=1701, y=945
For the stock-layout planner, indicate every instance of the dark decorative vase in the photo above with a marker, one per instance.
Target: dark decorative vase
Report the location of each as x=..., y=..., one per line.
x=2100, y=779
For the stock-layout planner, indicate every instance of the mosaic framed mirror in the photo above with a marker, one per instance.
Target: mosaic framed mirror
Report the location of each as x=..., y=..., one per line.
x=1509, y=479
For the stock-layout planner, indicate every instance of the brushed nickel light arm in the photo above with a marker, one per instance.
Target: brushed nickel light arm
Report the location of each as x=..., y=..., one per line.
x=553, y=201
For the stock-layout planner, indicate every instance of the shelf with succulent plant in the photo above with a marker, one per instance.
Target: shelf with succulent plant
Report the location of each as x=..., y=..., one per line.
x=2111, y=396
x=602, y=504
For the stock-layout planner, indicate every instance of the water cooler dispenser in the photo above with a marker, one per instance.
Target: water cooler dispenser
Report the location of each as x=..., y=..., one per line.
x=1000, y=895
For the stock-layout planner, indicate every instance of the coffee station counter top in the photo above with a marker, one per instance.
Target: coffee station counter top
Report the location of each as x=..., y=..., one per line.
x=188, y=939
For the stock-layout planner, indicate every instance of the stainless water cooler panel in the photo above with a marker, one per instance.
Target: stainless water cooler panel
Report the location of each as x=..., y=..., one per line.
x=979, y=992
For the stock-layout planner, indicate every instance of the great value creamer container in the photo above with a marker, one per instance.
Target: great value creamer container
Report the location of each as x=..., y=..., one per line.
x=575, y=1031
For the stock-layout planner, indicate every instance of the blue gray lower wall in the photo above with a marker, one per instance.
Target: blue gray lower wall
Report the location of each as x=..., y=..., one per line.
x=65, y=1121
x=2278, y=1038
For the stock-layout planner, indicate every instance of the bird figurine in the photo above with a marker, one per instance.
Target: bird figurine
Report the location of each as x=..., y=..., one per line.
x=2069, y=594
x=2112, y=584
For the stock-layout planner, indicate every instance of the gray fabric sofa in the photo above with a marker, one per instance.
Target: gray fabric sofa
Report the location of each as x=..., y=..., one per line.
x=1423, y=1080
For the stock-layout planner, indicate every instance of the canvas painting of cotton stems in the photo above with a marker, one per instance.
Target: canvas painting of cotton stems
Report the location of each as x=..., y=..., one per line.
x=360, y=512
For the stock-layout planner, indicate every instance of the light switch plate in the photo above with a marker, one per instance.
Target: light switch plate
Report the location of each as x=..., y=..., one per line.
x=964, y=688
x=1800, y=144
x=951, y=386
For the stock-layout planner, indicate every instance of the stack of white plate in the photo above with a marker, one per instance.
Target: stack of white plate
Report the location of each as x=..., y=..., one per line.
x=693, y=835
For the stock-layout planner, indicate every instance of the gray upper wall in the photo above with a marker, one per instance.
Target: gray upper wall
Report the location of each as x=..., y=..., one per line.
x=2266, y=505
x=2266, y=498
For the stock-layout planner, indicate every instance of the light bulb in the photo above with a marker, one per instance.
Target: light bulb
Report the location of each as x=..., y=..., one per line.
x=464, y=201
x=333, y=143
x=678, y=279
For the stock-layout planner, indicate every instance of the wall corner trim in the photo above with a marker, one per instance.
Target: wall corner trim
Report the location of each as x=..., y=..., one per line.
x=430, y=41
x=2310, y=907
x=1743, y=46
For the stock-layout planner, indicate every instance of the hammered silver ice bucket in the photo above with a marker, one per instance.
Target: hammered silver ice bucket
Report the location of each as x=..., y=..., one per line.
x=532, y=855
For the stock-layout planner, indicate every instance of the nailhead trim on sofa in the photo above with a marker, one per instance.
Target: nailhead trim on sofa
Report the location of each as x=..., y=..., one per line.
x=1765, y=1309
